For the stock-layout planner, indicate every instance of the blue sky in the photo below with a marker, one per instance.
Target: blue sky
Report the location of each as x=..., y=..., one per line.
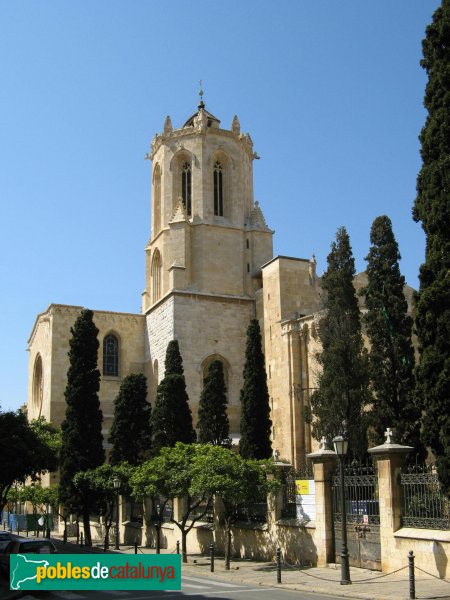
x=331, y=93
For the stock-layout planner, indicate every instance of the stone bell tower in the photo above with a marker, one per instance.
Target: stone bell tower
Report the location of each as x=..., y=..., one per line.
x=208, y=242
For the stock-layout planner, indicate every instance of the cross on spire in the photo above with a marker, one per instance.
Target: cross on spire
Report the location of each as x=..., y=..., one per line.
x=200, y=93
x=389, y=434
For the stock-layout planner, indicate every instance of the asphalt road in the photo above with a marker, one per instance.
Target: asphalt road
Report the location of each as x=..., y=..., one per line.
x=194, y=587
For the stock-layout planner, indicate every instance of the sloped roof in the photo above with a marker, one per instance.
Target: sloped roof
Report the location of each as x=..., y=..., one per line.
x=190, y=121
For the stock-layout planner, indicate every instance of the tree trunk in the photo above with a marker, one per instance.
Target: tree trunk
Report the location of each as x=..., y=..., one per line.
x=184, y=545
x=87, y=529
x=158, y=537
x=65, y=530
x=227, y=546
x=106, y=546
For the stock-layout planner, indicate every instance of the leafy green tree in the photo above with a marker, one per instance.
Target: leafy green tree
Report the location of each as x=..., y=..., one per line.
x=255, y=410
x=389, y=328
x=213, y=425
x=82, y=441
x=432, y=209
x=24, y=452
x=96, y=488
x=170, y=475
x=171, y=419
x=130, y=431
x=41, y=500
x=338, y=405
x=235, y=480
x=49, y=435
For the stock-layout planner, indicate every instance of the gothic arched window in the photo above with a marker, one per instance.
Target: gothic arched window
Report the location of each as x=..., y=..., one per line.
x=155, y=275
x=111, y=356
x=156, y=200
x=38, y=384
x=186, y=187
x=218, y=189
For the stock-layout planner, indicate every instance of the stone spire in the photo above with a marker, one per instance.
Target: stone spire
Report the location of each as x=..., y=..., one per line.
x=179, y=213
x=236, y=126
x=257, y=220
x=168, y=126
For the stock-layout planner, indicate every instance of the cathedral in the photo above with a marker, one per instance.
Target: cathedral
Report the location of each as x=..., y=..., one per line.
x=209, y=270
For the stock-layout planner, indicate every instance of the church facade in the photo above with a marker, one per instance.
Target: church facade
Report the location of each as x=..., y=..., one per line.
x=209, y=270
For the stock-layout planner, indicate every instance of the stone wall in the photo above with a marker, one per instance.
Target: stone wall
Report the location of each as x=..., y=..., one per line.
x=50, y=340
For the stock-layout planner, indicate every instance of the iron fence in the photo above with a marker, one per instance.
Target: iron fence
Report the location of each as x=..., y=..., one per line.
x=162, y=508
x=204, y=510
x=425, y=505
x=289, y=509
x=254, y=512
x=361, y=494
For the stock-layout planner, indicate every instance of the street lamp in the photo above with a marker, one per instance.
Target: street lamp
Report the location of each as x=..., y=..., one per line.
x=117, y=483
x=340, y=447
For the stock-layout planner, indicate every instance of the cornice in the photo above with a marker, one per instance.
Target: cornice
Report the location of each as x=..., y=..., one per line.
x=186, y=132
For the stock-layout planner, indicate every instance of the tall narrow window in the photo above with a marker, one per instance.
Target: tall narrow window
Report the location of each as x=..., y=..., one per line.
x=218, y=189
x=186, y=187
x=111, y=356
x=155, y=274
x=38, y=385
x=156, y=200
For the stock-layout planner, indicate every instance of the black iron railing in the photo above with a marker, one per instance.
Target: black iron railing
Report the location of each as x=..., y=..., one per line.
x=361, y=495
x=204, y=510
x=425, y=505
x=254, y=512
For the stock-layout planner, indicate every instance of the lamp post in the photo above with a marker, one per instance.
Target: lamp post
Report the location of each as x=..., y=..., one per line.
x=117, y=484
x=340, y=447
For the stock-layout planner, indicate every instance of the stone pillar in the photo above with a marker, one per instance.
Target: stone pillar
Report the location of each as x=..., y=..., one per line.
x=390, y=457
x=179, y=508
x=324, y=462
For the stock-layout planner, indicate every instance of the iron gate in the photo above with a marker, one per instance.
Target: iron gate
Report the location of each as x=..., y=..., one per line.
x=363, y=516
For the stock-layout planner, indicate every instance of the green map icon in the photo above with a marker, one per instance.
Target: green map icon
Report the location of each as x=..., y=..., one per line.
x=25, y=570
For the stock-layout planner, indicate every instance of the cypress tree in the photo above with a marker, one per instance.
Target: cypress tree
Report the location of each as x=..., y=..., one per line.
x=171, y=419
x=255, y=410
x=82, y=441
x=339, y=403
x=389, y=328
x=174, y=363
x=130, y=431
x=213, y=425
x=432, y=209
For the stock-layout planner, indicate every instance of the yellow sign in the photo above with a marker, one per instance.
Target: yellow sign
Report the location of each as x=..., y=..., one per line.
x=302, y=486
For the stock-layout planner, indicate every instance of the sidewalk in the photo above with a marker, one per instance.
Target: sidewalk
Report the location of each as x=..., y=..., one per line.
x=367, y=585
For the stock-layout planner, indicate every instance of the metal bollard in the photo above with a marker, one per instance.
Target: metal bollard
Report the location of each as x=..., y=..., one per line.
x=412, y=580
x=178, y=547
x=211, y=556
x=81, y=538
x=135, y=546
x=278, y=555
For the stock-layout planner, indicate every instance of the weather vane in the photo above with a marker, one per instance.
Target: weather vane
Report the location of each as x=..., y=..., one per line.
x=200, y=93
